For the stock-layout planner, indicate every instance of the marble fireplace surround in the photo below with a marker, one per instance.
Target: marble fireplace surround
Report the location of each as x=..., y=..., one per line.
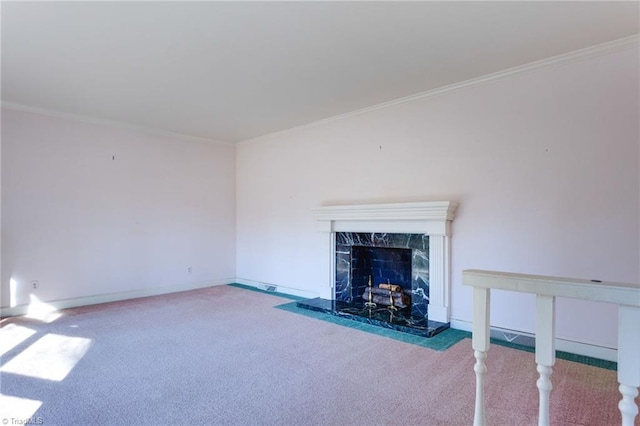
x=432, y=218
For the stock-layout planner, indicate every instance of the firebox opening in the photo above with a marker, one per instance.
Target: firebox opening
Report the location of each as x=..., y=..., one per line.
x=381, y=275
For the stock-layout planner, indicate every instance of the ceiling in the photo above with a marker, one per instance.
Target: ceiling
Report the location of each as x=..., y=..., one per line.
x=232, y=71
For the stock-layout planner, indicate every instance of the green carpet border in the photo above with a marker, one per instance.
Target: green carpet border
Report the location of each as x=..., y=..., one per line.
x=273, y=293
x=567, y=356
x=439, y=342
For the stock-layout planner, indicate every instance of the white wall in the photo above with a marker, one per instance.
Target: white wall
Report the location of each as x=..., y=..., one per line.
x=544, y=165
x=84, y=224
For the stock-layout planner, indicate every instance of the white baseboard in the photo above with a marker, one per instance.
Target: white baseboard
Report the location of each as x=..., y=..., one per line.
x=279, y=288
x=113, y=297
x=564, y=345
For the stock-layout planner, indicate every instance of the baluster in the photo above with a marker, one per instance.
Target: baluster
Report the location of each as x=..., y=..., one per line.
x=627, y=405
x=544, y=389
x=480, y=368
x=626, y=296
x=480, y=339
x=628, y=362
x=545, y=352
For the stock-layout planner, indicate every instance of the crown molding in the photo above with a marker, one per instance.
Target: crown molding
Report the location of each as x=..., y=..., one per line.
x=110, y=123
x=565, y=58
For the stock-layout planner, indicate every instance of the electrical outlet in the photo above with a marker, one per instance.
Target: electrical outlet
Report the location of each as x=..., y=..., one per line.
x=189, y=270
x=35, y=285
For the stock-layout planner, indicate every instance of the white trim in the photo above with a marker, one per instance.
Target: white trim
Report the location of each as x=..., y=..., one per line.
x=114, y=297
x=564, y=58
x=111, y=123
x=564, y=345
x=432, y=218
x=429, y=210
x=425, y=217
x=279, y=288
x=135, y=294
x=438, y=294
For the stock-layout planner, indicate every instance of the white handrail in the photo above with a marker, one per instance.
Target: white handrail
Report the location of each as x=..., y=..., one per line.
x=546, y=289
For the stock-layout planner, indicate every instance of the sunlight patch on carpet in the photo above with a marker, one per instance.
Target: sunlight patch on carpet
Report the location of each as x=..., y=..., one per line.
x=12, y=335
x=42, y=311
x=18, y=410
x=52, y=357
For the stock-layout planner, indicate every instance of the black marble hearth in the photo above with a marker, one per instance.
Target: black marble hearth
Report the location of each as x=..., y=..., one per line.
x=380, y=316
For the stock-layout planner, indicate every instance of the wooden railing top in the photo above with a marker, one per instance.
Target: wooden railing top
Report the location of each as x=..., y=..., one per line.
x=600, y=291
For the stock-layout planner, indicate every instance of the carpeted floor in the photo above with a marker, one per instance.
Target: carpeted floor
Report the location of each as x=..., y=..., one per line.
x=224, y=355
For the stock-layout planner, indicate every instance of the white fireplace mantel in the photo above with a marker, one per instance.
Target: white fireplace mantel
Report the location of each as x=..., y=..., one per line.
x=432, y=218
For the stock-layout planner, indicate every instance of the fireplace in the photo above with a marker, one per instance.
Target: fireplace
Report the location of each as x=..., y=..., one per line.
x=399, y=259
x=380, y=275
x=360, y=241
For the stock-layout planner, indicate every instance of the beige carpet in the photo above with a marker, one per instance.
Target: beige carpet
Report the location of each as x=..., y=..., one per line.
x=224, y=355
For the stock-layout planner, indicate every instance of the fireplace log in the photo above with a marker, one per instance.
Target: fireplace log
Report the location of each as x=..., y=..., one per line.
x=399, y=299
x=392, y=287
x=406, y=293
x=379, y=291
